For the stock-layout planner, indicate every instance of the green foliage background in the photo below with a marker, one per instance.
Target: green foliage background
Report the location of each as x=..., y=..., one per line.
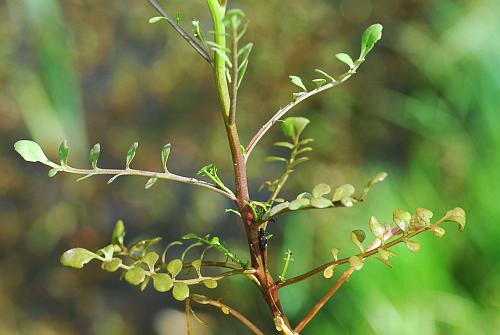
x=424, y=107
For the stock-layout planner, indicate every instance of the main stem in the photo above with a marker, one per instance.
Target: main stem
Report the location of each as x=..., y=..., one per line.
x=266, y=282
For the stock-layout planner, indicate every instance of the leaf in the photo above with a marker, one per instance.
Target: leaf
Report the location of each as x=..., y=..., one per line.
x=401, y=219
x=112, y=179
x=145, y=283
x=384, y=256
x=63, y=153
x=305, y=195
x=131, y=154
x=106, y=252
x=241, y=71
x=174, y=267
x=112, y=265
x=321, y=203
x=342, y=192
x=328, y=272
x=379, y=177
x=76, y=258
x=156, y=19
x=275, y=159
x=298, y=82
x=299, y=204
x=326, y=75
x=53, y=172
x=335, y=253
x=345, y=58
x=413, y=246
x=135, y=275
x=165, y=153
x=162, y=282
x=294, y=126
x=356, y=262
x=321, y=190
x=210, y=283
x=425, y=215
x=371, y=36
x=180, y=291
x=275, y=210
x=376, y=228
x=357, y=237
x=31, y=151
x=319, y=82
x=438, y=231
x=94, y=155
x=150, y=260
x=197, y=266
x=151, y=181
x=456, y=215
x=118, y=233
x=284, y=145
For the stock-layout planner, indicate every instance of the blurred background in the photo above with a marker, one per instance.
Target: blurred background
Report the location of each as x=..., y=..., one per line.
x=424, y=108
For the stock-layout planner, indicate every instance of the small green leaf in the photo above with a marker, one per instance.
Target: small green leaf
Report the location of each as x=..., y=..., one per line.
x=321, y=202
x=275, y=159
x=305, y=195
x=321, y=190
x=150, y=260
x=162, y=282
x=174, y=267
x=370, y=37
x=345, y=58
x=31, y=151
x=63, y=153
x=402, y=219
x=298, y=82
x=376, y=228
x=413, y=246
x=210, y=283
x=456, y=215
x=299, y=204
x=165, y=153
x=151, y=181
x=135, y=275
x=344, y=191
x=326, y=75
x=319, y=82
x=112, y=265
x=106, y=252
x=328, y=272
x=379, y=177
x=357, y=237
x=53, y=172
x=180, y=291
x=275, y=210
x=131, y=154
x=241, y=71
x=145, y=283
x=76, y=258
x=356, y=262
x=294, y=126
x=284, y=145
x=197, y=266
x=335, y=253
x=384, y=256
x=94, y=155
x=118, y=233
x=156, y=19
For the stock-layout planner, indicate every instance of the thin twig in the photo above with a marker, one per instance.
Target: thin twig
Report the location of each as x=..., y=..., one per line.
x=160, y=175
x=189, y=331
x=192, y=42
x=280, y=113
x=323, y=300
x=227, y=310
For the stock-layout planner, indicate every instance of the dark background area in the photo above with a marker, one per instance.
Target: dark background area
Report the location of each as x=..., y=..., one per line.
x=424, y=108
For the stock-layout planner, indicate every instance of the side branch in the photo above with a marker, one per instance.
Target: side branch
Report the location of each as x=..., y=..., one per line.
x=188, y=38
x=227, y=310
x=159, y=175
x=279, y=114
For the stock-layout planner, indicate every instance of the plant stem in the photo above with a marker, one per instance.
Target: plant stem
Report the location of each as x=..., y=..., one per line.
x=192, y=42
x=227, y=310
x=149, y=174
x=234, y=73
x=323, y=300
x=266, y=282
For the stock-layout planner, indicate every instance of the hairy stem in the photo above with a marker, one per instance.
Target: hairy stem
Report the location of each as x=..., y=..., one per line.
x=203, y=300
